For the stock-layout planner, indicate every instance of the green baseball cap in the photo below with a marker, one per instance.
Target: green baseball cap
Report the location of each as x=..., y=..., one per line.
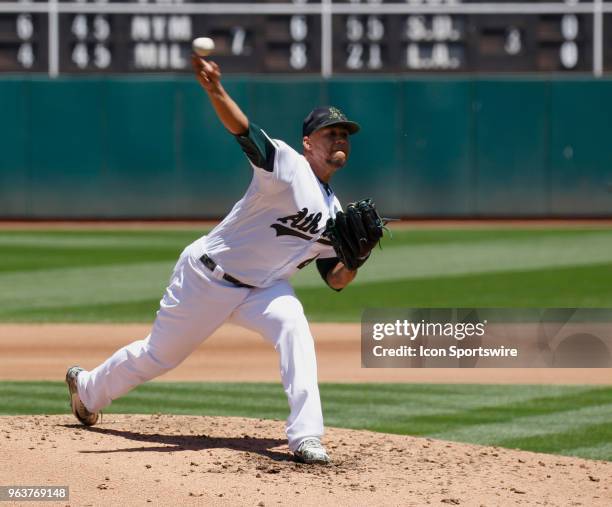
x=326, y=116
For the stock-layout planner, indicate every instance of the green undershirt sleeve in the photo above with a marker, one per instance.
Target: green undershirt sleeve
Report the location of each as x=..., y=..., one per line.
x=258, y=147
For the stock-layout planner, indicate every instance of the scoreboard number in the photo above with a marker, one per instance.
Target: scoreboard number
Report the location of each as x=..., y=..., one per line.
x=513, y=44
x=298, y=28
x=308, y=36
x=25, y=30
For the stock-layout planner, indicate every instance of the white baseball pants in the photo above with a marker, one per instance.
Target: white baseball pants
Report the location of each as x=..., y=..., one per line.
x=194, y=305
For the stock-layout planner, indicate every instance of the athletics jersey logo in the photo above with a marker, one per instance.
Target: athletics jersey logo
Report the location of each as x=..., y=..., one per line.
x=301, y=225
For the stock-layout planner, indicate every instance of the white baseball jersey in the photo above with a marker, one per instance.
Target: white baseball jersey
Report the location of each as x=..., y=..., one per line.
x=277, y=227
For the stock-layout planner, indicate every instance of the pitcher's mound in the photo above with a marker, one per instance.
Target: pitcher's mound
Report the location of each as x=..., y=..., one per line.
x=166, y=460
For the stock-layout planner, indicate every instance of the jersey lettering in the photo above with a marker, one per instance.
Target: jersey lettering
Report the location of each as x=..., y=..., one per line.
x=303, y=222
x=310, y=224
x=300, y=221
x=295, y=219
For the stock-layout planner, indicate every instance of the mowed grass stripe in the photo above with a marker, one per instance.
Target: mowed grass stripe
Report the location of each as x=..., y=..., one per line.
x=584, y=286
x=60, y=238
x=566, y=441
x=141, y=240
x=23, y=251
x=416, y=268
x=94, y=285
x=139, y=310
x=546, y=402
x=415, y=399
x=487, y=420
x=587, y=286
x=448, y=398
x=410, y=262
x=408, y=255
x=598, y=451
x=17, y=261
x=489, y=426
x=569, y=287
x=577, y=417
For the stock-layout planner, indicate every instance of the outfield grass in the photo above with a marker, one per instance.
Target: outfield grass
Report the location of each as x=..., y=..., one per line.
x=569, y=420
x=119, y=276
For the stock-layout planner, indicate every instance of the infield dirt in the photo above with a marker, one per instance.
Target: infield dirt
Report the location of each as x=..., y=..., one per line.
x=188, y=460
x=233, y=354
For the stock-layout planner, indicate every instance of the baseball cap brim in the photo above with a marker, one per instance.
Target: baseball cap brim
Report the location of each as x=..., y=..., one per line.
x=351, y=126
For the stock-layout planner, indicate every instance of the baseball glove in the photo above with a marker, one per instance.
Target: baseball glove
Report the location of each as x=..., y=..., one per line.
x=355, y=232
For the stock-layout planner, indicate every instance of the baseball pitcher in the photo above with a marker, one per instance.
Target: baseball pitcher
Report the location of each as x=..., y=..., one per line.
x=288, y=217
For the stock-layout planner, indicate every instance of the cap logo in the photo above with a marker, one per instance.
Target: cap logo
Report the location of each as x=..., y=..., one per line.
x=336, y=114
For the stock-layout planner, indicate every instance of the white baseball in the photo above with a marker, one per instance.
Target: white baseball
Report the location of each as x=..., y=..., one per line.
x=203, y=46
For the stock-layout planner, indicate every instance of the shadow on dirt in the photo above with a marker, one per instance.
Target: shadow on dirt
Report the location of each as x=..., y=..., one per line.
x=175, y=443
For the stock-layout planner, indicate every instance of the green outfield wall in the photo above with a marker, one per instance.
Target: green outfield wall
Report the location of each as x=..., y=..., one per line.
x=147, y=147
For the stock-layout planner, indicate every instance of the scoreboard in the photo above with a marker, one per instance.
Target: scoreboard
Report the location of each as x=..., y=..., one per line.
x=314, y=37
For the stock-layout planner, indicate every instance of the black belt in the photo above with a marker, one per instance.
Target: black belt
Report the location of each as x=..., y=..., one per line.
x=210, y=264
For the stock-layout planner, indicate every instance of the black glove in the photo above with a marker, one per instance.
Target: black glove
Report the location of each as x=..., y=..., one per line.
x=355, y=232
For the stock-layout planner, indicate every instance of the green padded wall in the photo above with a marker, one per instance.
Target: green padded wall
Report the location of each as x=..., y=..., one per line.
x=144, y=147
x=66, y=145
x=279, y=106
x=438, y=147
x=375, y=164
x=211, y=172
x=512, y=121
x=581, y=148
x=14, y=158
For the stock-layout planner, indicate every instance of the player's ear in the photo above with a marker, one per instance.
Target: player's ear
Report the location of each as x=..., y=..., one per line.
x=306, y=143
